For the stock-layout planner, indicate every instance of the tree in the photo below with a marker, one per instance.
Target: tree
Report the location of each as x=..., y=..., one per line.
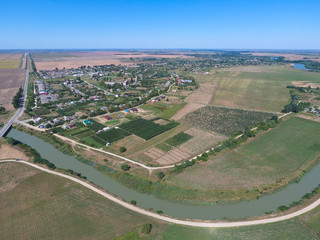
x=161, y=175
x=133, y=202
x=2, y=109
x=125, y=167
x=146, y=228
x=12, y=141
x=123, y=149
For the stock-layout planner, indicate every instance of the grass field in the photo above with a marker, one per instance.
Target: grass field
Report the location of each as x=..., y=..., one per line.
x=163, y=110
x=225, y=121
x=36, y=205
x=280, y=153
x=260, y=90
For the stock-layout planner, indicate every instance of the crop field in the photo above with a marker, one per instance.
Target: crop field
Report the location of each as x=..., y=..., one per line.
x=95, y=126
x=55, y=208
x=200, y=141
x=111, y=135
x=178, y=139
x=163, y=110
x=225, y=121
x=146, y=129
x=264, y=90
x=10, y=61
x=10, y=81
x=280, y=153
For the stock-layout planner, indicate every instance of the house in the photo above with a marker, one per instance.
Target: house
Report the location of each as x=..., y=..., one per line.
x=134, y=109
x=107, y=117
x=127, y=110
x=87, y=122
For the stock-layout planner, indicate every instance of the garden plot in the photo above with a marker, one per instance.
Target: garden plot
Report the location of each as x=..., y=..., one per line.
x=201, y=141
x=174, y=156
x=225, y=121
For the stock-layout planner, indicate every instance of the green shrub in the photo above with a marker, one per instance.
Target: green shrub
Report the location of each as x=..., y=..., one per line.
x=146, y=228
x=125, y=167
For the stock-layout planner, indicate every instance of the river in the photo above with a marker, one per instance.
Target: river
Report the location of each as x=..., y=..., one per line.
x=291, y=193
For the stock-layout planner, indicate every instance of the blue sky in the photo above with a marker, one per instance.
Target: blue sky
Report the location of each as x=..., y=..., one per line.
x=226, y=24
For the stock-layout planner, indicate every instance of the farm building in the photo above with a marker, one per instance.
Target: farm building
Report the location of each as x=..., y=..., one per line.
x=107, y=117
x=87, y=122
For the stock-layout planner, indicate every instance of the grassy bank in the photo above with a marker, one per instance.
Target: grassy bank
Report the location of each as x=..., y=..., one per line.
x=55, y=208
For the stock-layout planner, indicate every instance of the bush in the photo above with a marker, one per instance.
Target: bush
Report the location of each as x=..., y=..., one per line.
x=12, y=141
x=161, y=175
x=123, y=149
x=146, y=228
x=125, y=167
x=133, y=202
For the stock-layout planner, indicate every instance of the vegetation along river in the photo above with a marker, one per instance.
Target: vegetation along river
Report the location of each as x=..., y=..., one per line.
x=291, y=193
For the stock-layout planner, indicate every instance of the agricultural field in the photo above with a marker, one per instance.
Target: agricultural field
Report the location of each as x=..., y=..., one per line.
x=264, y=90
x=163, y=110
x=54, y=208
x=280, y=153
x=146, y=129
x=224, y=121
x=178, y=139
x=111, y=135
x=10, y=82
x=74, y=59
x=10, y=61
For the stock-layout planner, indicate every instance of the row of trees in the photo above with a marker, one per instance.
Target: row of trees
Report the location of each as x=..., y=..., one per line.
x=17, y=98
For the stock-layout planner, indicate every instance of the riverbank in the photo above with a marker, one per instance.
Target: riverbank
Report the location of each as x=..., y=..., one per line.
x=169, y=219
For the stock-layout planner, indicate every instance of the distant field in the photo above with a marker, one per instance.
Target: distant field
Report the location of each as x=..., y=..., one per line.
x=225, y=121
x=280, y=153
x=9, y=61
x=249, y=88
x=73, y=59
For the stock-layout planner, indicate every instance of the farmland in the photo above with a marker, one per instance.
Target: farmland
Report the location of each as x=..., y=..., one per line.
x=272, y=159
x=9, y=61
x=53, y=208
x=111, y=135
x=178, y=139
x=264, y=89
x=146, y=129
x=10, y=81
x=225, y=121
x=163, y=110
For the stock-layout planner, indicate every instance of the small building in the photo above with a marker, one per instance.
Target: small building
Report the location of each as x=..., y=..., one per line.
x=107, y=117
x=134, y=109
x=127, y=110
x=87, y=122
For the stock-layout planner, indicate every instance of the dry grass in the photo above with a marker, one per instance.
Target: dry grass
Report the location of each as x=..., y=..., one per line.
x=10, y=81
x=7, y=152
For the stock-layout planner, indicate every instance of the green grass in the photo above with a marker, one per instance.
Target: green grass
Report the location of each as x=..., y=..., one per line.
x=163, y=110
x=280, y=153
x=291, y=229
x=164, y=147
x=115, y=121
x=257, y=90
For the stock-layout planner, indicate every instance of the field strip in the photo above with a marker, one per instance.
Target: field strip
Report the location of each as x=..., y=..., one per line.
x=193, y=223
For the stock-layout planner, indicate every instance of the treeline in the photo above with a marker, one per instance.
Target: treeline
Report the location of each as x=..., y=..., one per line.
x=295, y=105
x=17, y=98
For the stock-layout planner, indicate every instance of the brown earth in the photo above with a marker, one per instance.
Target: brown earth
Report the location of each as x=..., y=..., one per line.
x=77, y=59
x=305, y=84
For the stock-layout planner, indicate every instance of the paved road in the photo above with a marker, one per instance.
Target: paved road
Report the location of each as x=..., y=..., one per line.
x=21, y=108
x=194, y=223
